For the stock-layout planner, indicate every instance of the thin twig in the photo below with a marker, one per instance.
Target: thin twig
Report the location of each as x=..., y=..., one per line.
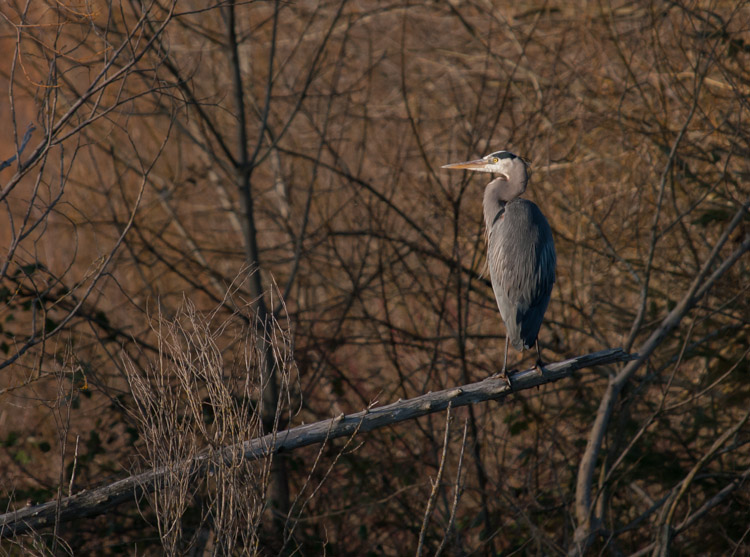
x=435, y=483
x=26, y=137
x=457, y=492
x=73, y=471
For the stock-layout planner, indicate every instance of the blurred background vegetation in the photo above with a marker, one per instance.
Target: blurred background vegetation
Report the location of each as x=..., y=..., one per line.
x=275, y=165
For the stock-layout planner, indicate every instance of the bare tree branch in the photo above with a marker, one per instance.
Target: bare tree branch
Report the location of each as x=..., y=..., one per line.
x=96, y=501
x=587, y=525
x=26, y=137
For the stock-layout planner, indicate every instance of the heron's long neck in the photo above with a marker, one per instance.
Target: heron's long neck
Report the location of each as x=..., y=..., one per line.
x=502, y=191
x=493, y=209
x=494, y=201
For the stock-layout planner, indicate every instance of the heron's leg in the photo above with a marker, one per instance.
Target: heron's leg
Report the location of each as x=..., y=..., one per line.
x=505, y=359
x=539, y=362
x=504, y=372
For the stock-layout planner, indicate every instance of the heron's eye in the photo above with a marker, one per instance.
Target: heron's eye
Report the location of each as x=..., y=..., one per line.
x=495, y=159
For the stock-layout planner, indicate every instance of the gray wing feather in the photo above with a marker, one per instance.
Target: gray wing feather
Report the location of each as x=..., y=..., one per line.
x=521, y=258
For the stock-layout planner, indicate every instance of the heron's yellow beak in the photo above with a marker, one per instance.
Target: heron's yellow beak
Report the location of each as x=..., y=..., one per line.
x=479, y=164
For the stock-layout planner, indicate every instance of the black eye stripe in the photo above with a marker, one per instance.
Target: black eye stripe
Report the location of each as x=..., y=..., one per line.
x=503, y=155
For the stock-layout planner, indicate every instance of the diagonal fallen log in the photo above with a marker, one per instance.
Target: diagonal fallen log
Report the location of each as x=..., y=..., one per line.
x=96, y=501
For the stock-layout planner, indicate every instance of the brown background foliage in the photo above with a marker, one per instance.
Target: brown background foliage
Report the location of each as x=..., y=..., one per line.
x=129, y=201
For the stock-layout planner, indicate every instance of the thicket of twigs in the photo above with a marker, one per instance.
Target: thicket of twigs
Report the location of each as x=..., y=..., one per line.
x=223, y=220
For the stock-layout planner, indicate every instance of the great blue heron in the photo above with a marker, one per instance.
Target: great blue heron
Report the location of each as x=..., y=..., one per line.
x=520, y=250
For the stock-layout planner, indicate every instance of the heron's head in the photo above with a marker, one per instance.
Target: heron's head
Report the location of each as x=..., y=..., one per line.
x=512, y=171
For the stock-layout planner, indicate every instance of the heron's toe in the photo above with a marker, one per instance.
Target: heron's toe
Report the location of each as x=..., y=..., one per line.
x=502, y=375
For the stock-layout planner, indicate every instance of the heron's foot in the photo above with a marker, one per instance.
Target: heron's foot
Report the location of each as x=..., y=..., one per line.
x=502, y=375
x=539, y=365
